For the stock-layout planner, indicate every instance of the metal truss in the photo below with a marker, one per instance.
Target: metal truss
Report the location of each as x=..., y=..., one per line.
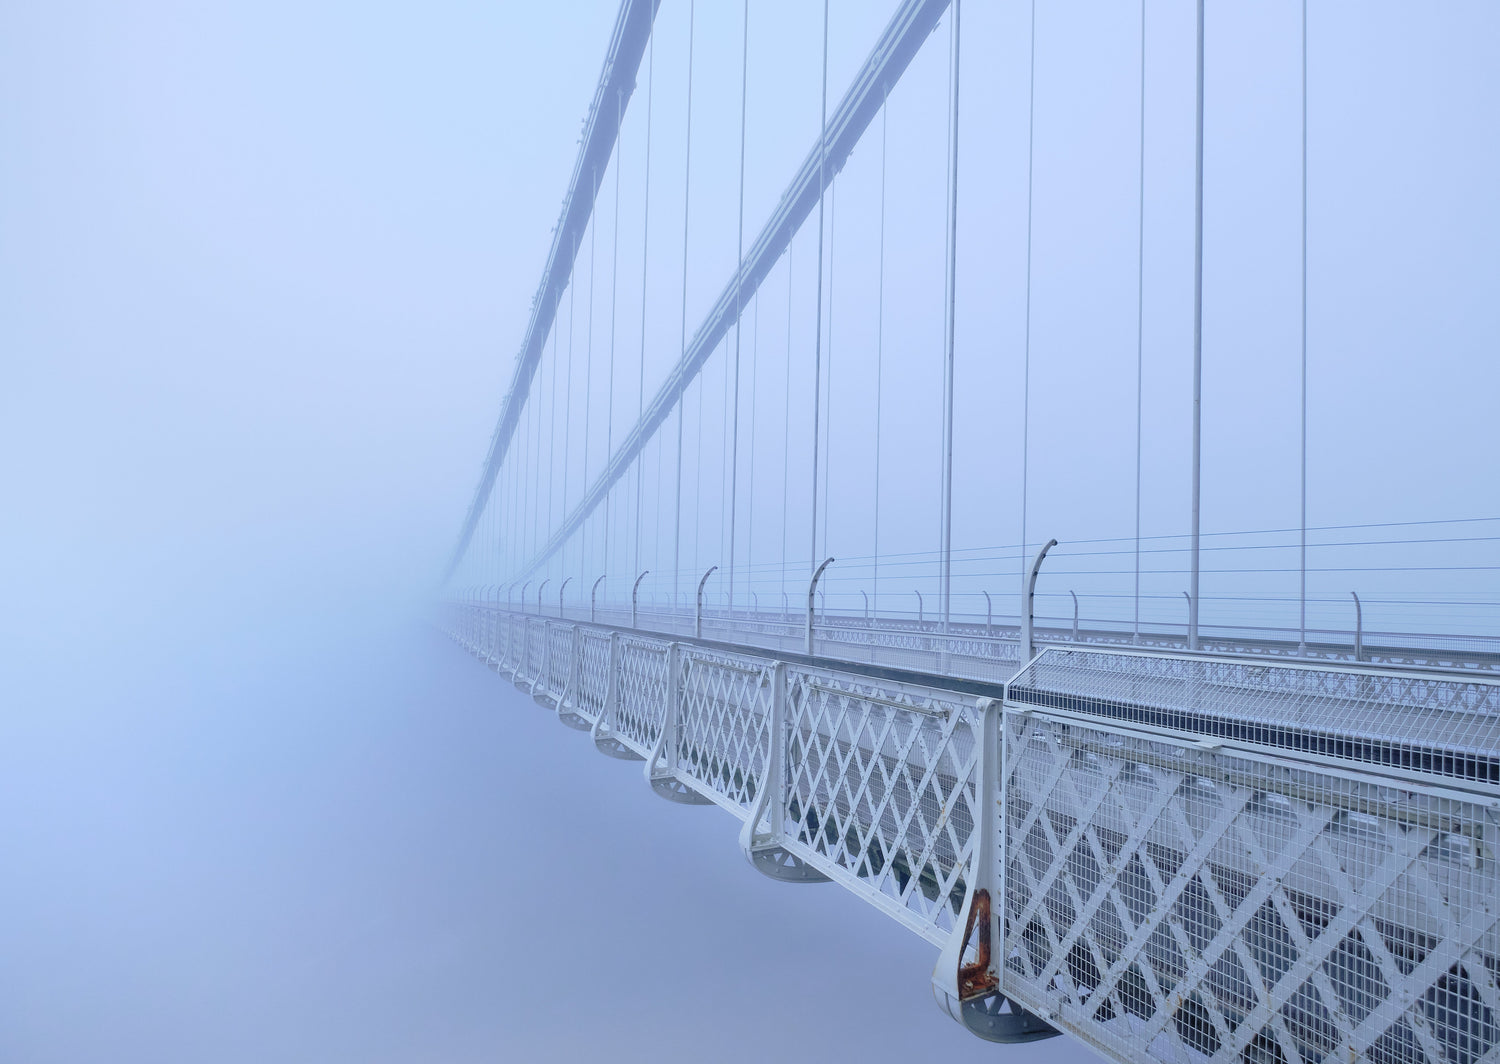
x=1168, y=856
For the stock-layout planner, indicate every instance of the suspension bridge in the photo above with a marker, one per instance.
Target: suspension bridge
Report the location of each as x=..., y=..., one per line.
x=1195, y=795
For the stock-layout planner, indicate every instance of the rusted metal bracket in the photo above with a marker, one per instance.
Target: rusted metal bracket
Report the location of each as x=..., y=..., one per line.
x=976, y=978
x=970, y=991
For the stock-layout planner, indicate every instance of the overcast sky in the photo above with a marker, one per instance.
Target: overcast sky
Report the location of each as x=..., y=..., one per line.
x=263, y=271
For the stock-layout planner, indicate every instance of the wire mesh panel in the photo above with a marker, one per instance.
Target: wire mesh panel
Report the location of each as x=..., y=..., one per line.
x=515, y=639
x=1435, y=724
x=1170, y=902
x=970, y=655
x=536, y=648
x=558, y=669
x=477, y=633
x=643, y=692
x=490, y=649
x=723, y=724
x=881, y=792
x=593, y=673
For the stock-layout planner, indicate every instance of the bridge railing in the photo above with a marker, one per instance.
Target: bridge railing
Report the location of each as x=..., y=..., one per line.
x=1168, y=856
x=989, y=648
x=1208, y=859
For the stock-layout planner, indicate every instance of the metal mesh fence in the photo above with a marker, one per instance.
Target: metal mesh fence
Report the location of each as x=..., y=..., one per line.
x=1195, y=858
x=643, y=692
x=1166, y=902
x=881, y=792
x=723, y=730
x=1433, y=724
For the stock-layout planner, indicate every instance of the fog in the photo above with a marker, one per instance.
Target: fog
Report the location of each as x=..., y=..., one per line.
x=263, y=269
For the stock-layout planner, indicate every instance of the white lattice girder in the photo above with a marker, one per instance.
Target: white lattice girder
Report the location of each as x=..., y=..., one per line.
x=1169, y=902
x=1167, y=888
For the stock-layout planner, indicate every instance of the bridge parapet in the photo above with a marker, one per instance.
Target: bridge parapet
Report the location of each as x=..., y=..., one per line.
x=1166, y=901
x=1169, y=857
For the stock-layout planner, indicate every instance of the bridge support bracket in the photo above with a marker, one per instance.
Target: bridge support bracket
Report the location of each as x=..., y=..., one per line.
x=966, y=983
x=765, y=850
x=658, y=769
x=534, y=684
x=995, y=1018
x=770, y=859
x=602, y=732
x=567, y=706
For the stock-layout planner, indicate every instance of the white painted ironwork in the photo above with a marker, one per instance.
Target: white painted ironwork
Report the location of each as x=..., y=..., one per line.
x=1168, y=856
x=1167, y=901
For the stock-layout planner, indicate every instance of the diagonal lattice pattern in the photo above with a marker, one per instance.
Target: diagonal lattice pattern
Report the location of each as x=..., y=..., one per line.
x=643, y=692
x=1169, y=902
x=558, y=670
x=723, y=729
x=881, y=791
x=593, y=674
x=536, y=648
x=1163, y=897
x=514, y=642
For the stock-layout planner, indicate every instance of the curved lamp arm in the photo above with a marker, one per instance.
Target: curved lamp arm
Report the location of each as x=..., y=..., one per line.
x=1028, y=598
x=594, y=596
x=634, y=591
x=812, y=588
x=698, y=609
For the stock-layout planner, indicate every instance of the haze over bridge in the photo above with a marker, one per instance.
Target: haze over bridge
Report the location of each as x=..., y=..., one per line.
x=1167, y=793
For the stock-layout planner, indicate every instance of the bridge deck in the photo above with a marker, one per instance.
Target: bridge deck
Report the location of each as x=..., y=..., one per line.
x=1194, y=857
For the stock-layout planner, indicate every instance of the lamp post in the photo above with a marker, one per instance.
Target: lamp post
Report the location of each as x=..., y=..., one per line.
x=812, y=587
x=594, y=596
x=634, y=593
x=1028, y=600
x=698, y=608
